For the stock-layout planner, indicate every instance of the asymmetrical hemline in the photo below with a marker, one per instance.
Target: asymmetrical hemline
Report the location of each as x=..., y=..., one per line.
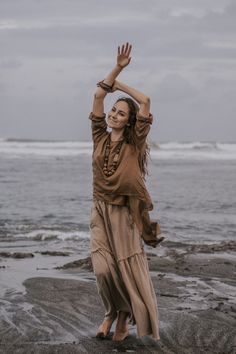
x=121, y=268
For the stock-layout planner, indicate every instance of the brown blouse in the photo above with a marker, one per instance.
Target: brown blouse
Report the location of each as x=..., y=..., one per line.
x=126, y=186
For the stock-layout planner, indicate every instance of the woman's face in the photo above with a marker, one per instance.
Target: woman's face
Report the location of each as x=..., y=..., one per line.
x=118, y=116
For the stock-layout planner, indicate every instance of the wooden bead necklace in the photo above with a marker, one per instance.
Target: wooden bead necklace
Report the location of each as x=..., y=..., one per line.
x=110, y=172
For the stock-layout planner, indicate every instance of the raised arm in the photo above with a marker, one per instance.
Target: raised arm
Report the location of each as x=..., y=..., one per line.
x=123, y=59
x=141, y=98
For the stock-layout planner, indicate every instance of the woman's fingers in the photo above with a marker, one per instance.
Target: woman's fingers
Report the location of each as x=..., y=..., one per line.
x=123, y=56
x=125, y=49
x=129, y=50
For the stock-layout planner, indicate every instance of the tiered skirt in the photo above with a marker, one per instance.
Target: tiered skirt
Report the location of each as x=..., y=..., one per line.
x=121, y=268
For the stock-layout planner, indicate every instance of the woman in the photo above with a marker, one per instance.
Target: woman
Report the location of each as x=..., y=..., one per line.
x=119, y=216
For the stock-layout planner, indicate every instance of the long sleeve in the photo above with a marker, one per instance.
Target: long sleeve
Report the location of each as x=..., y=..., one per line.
x=99, y=127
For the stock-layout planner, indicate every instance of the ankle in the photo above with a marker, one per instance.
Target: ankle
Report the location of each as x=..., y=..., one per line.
x=122, y=321
x=122, y=330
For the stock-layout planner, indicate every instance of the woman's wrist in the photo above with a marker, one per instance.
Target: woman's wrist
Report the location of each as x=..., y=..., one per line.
x=119, y=67
x=105, y=86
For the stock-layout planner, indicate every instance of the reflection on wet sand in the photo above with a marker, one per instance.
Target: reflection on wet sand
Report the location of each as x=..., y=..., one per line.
x=59, y=310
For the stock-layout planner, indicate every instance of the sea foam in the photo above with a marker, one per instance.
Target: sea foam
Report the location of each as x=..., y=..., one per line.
x=16, y=148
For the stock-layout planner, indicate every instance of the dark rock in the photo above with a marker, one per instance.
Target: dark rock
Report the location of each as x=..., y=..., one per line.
x=16, y=255
x=55, y=253
x=216, y=247
x=5, y=254
x=22, y=255
x=186, y=268
x=85, y=263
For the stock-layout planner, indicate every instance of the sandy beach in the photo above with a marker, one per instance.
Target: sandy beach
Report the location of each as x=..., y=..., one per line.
x=48, y=296
x=195, y=287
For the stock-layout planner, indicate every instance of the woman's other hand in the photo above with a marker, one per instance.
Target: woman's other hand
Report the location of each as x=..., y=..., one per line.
x=123, y=56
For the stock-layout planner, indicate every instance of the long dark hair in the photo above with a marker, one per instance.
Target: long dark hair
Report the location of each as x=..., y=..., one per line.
x=130, y=136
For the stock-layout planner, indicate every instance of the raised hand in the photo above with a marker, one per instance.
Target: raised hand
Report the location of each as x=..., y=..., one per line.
x=123, y=56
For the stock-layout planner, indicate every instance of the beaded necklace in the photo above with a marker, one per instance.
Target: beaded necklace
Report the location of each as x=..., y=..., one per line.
x=110, y=172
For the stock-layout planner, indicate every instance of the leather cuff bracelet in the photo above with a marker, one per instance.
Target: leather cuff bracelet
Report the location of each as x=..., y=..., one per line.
x=104, y=86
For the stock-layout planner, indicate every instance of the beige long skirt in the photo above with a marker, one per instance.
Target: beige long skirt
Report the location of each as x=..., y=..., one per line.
x=121, y=268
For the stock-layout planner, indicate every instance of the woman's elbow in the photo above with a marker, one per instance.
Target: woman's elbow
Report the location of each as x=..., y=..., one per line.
x=146, y=100
x=99, y=93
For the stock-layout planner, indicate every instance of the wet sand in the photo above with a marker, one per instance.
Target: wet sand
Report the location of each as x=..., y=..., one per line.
x=195, y=287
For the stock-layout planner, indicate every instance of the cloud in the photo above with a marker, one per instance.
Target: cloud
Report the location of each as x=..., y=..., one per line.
x=221, y=44
x=183, y=57
x=2, y=87
x=174, y=87
x=10, y=63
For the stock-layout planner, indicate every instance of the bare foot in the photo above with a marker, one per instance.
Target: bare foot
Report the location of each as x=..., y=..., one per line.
x=104, y=328
x=122, y=330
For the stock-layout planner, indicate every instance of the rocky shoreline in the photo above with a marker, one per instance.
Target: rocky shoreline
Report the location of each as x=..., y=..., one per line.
x=195, y=287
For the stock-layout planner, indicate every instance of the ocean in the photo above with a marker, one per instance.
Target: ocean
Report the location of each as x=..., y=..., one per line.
x=46, y=196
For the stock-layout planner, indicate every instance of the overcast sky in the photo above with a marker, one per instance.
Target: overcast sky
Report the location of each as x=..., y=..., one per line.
x=54, y=51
